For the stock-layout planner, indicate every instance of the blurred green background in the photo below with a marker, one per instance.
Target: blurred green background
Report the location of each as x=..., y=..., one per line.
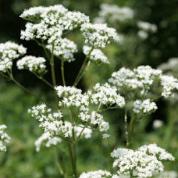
x=21, y=160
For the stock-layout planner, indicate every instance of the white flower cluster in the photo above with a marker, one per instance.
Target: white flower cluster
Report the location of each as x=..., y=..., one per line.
x=141, y=77
x=95, y=119
x=99, y=35
x=144, y=162
x=47, y=140
x=36, y=13
x=96, y=174
x=55, y=128
x=73, y=97
x=169, y=84
x=172, y=65
x=137, y=86
x=8, y=52
x=95, y=55
x=145, y=28
x=106, y=95
x=114, y=13
x=145, y=106
x=63, y=47
x=32, y=63
x=50, y=27
x=4, y=138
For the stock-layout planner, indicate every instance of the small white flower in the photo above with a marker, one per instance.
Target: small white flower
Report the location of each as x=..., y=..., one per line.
x=8, y=52
x=114, y=13
x=98, y=35
x=32, y=63
x=145, y=106
x=169, y=84
x=96, y=174
x=157, y=124
x=95, y=55
x=141, y=163
x=146, y=26
x=4, y=138
x=106, y=95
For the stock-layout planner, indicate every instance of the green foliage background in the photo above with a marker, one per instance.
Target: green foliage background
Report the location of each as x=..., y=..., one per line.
x=21, y=160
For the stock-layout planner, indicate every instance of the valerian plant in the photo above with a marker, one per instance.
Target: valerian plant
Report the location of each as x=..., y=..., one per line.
x=79, y=115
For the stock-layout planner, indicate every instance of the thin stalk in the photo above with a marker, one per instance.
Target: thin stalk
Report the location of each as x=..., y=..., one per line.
x=81, y=133
x=169, y=130
x=73, y=157
x=60, y=165
x=45, y=81
x=126, y=128
x=72, y=148
x=53, y=76
x=18, y=84
x=62, y=72
x=82, y=69
x=5, y=76
x=131, y=130
x=44, y=48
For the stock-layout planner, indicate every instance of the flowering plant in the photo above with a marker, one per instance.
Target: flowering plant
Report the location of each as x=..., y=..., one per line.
x=78, y=114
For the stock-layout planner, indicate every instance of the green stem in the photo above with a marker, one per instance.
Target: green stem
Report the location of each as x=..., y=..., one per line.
x=73, y=157
x=169, y=129
x=126, y=128
x=60, y=165
x=53, y=76
x=45, y=81
x=82, y=69
x=131, y=130
x=18, y=84
x=62, y=72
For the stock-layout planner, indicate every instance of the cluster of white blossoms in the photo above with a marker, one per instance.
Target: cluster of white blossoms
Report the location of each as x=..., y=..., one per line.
x=114, y=13
x=106, y=95
x=48, y=26
x=99, y=35
x=137, y=86
x=8, y=52
x=73, y=97
x=95, y=55
x=141, y=77
x=64, y=48
x=145, y=28
x=170, y=65
x=144, y=162
x=96, y=174
x=169, y=85
x=87, y=119
x=145, y=106
x=47, y=140
x=55, y=128
x=4, y=138
x=32, y=63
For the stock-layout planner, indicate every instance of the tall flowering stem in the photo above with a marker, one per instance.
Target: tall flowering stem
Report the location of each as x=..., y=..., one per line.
x=62, y=73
